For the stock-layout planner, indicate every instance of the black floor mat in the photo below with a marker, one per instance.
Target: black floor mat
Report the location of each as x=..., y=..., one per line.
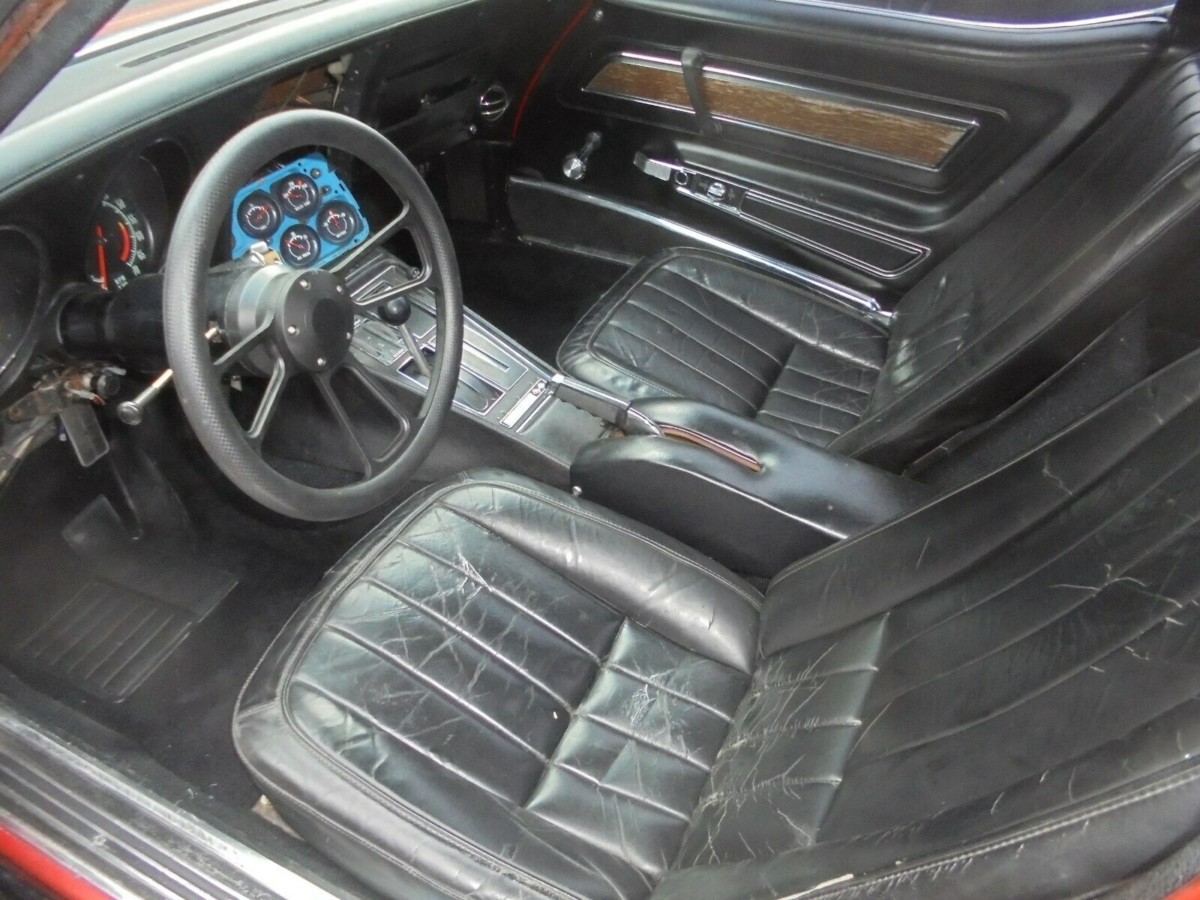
x=138, y=605
x=181, y=708
x=533, y=294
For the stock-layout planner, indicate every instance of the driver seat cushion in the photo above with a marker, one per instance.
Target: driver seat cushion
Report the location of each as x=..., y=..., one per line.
x=451, y=689
x=702, y=326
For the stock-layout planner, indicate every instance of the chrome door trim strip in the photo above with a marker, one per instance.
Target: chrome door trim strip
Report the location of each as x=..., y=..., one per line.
x=824, y=285
x=1156, y=15
x=120, y=852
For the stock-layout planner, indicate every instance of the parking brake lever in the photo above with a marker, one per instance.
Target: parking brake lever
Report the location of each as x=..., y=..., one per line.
x=603, y=405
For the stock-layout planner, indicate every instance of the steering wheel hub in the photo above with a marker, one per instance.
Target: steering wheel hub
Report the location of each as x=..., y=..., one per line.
x=315, y=321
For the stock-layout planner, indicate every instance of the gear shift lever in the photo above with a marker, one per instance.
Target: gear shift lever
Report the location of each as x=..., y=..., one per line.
x=395, y=312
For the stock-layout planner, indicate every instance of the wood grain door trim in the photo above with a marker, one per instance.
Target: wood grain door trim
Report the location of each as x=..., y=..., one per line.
x=907, y=136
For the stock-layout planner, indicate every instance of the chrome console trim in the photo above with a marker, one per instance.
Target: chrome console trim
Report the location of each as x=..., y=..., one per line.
x=490, y=359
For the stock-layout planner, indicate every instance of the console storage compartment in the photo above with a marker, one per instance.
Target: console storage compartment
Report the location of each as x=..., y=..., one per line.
x=748, y=496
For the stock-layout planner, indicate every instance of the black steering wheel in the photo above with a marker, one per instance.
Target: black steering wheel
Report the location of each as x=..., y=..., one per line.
x=283, y=323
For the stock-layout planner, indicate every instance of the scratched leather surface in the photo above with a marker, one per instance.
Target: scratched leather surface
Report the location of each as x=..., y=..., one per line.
x=1111, y=225
x=505, y=691
x=699, y=325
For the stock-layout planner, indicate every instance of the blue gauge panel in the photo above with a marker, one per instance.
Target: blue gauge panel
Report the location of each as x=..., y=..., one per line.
x=303, y=211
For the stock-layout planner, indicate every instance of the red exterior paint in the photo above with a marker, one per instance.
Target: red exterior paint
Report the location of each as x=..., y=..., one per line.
x=45, y=871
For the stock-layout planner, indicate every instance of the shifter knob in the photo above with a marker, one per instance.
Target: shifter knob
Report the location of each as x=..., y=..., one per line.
x=396, y=310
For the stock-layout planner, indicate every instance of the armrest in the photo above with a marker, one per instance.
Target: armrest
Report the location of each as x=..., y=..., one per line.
x=746, y=495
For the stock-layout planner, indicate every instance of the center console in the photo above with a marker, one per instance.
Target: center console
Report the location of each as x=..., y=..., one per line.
x=747, y=495
x=502, y=388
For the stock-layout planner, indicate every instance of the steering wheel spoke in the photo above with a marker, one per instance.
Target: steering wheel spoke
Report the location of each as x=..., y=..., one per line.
x=380, y=237
x=238, y=352
x=333, y=402
x=378, y=390
x=269, y=404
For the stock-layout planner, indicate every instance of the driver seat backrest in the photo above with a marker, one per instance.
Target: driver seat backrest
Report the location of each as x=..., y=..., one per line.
x=1003, y=683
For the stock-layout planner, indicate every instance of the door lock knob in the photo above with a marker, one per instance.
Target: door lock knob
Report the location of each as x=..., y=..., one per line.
x=575, y=165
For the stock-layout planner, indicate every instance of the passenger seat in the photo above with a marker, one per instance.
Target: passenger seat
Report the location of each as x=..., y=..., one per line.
x=1112, y=224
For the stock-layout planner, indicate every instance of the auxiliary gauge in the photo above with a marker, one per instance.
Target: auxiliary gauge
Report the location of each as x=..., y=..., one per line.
x=258, y=215
x=299, y=246
x=297, y=194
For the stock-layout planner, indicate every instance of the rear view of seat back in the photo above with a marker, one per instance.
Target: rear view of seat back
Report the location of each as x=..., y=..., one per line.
x=1116, y=222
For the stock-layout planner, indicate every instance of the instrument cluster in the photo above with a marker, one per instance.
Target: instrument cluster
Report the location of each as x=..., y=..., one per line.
x=303, y=211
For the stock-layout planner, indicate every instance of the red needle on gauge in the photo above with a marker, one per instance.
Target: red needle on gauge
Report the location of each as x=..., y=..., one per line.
x=101, y=258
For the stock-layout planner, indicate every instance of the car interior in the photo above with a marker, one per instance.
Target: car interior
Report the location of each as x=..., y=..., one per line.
x=618, y=449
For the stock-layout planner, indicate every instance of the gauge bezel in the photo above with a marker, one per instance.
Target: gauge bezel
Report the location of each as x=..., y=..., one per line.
x=273, y=211
x=309, y=232
x=350, y=211
x=136, y=193
x=310, y=207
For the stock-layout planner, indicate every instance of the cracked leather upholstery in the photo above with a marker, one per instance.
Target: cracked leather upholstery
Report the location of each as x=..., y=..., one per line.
x=1109, y=226
x=506, y=691
x=698, y=325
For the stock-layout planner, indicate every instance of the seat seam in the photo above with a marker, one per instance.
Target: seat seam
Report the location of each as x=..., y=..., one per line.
x=440, y=689
x=644, y=741
x=796, y=422
x=775, y=389
x=683, y=332
x=1090, y=534
x=807, y=726
x=679, y=695
x=1083, y=815
x=619, y=327
x=790, y=366
x=503, y=597
x=775, y=783
x=474, y=640
x=371, y=720
x=707, y=317
x=1026, y=697
x=373, y=848
x=792, y=682
x=793, y=568
x=968, y=384
x=393, y=802
x=674, y=554
x=612, y=789
x=795, y=289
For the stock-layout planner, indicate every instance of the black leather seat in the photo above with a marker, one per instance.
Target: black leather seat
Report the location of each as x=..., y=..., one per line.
x=506, y=691
x=1110, y=225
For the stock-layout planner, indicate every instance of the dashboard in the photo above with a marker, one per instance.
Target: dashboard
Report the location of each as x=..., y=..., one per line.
x=93, y=174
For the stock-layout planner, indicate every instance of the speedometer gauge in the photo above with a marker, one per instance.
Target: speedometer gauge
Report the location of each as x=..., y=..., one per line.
x=121, y=243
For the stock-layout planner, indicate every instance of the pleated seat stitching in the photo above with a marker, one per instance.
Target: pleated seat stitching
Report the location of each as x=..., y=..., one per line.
x=616, y=326
x=503, y=597
x=438, y=688
x=473, y=639
x=363, y=715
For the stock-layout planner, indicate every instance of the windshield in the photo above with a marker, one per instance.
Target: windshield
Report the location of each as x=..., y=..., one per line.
x=139, y=18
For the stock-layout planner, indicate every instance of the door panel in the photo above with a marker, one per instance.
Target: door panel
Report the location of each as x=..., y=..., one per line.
x=862, y=142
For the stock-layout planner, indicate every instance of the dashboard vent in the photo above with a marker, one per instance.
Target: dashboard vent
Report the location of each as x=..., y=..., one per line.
x=493, y=103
